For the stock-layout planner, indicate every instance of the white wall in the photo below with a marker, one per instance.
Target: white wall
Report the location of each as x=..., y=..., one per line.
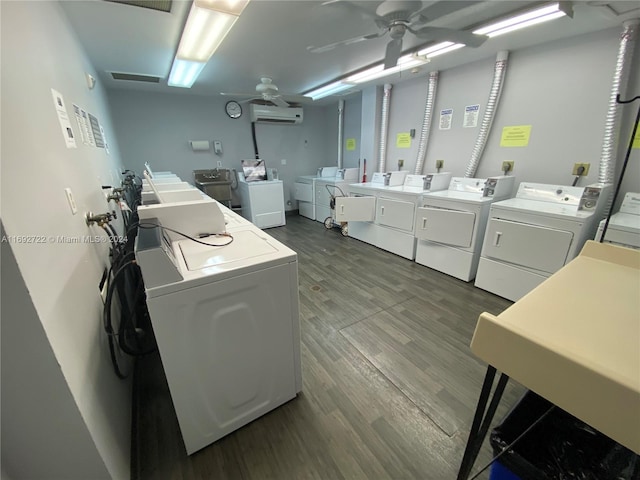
x=560, y=88
x=352, y=128
x=157, y=128
x=40, y=419
x=40, y=52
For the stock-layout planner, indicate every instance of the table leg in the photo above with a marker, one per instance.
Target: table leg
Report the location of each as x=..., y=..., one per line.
x=482, y=420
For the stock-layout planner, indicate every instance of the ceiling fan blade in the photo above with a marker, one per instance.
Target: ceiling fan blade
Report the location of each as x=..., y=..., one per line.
x=354, y=7
x=439, y=9
x=228, y=94
x=439, y=34
x=279, y=102
x=350, y=41
x=394, y=48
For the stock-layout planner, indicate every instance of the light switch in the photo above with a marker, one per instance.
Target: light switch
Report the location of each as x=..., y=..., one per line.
x=71, y=200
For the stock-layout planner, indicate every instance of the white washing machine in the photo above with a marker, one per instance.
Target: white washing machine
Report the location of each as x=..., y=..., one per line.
x=337, y=185
x=450, y=224
x=624, y=226
x=533, y=235
x=262, y=202
x=226, y=320
x=304, y=191
x=382, y=212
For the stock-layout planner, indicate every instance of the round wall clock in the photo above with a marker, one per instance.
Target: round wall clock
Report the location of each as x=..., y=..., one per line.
x=233, y=109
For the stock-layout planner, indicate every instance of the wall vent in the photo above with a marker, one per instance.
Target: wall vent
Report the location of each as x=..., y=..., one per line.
x=158, y=5
x=135, y=78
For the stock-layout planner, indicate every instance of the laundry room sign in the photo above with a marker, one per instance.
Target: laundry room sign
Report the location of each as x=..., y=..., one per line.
x=515, y=136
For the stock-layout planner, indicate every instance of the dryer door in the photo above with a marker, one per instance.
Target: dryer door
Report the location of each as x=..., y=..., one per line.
x=451, y=227
x=395, y=214
x=527, y=245
x=355, y=209
x=303, y=192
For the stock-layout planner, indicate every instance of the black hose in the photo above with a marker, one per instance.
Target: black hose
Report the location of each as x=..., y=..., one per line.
x=255, y=143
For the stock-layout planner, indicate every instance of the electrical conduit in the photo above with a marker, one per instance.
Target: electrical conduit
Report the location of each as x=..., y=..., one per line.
x=499, y=71
x=384, y=127
x=432, y=86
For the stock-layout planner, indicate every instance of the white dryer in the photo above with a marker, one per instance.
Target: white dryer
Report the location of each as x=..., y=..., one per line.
x=326, y=187
x=624, y=226
x=384, y=215
x=450, y=224
x=304, y=191
x=533, y=235
x=226, y=320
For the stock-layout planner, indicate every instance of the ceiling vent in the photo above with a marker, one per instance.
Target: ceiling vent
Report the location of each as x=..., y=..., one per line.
x=135, y=78
x=158, y=5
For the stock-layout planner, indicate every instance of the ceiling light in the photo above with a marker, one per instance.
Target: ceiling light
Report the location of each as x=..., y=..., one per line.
x=327, y=90
x=532, y=17
x=405, y=62
x=439, y=49
x=208, y=23
x=184, y=73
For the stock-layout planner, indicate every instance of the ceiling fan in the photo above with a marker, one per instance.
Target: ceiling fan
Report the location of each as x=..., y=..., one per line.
x=267, y=91
x=396, y=17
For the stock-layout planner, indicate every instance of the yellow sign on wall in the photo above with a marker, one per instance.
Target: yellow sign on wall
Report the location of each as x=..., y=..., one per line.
x=636, y=139
x=403, y=140
x=515, y=136
x=351, y=144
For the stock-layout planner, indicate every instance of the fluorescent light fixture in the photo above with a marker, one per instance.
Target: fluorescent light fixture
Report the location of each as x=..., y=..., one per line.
x=327, y=90
x=405, y=62
x=439, y=49
x=208, y=23
x=184, y=73
x=532, y=17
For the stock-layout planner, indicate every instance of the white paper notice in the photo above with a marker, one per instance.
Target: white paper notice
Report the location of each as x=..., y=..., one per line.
x=471, y=116
x=104, y=138
x=63, y=118
x=77, y=111
x=446, y=117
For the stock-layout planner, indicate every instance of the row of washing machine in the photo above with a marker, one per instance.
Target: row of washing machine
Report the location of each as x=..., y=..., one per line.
x=472, y=228
x=222, y=297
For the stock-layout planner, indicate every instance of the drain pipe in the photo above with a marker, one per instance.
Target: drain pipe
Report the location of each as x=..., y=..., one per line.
x=384, y=127
x=432, y=86
x=340, y=131
x=622, y=70
x=489, y=113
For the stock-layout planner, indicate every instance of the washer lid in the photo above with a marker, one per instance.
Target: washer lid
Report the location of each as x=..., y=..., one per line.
x=245, y=248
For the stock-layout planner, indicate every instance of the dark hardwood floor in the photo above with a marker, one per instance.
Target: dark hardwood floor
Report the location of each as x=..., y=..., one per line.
x=389, y=382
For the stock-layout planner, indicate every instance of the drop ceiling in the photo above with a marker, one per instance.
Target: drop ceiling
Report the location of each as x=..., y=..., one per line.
x=271, y=39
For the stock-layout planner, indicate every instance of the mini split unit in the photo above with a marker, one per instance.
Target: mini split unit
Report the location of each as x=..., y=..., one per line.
x=277, y=115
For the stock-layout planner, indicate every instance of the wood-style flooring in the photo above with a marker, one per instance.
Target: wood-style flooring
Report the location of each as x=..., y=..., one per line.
x=389, y=382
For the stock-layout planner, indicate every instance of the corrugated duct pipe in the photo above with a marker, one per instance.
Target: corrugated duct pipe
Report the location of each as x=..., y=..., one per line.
x=620, y=78
x=340, y=131
x=499, y=71
x=432, y=86
x=384, y=127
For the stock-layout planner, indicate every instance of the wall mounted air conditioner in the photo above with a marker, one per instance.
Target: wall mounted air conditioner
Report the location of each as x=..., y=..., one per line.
x=276, y=115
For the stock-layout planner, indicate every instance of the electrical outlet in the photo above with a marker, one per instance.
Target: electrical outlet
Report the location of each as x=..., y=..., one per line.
x=576, y=166
x=439, y=163
x=219, y=163
x=508, y=166
x=283, y=161
x=400, y=164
